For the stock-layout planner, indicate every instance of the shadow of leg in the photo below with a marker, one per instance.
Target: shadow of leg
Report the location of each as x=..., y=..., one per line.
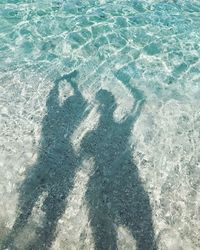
x=136, y=215
x=54, y=207
x=100, y=216
x=28, y=197
x=103, y=231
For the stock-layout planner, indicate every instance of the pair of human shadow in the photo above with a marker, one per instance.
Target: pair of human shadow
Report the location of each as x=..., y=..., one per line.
x=115, y=194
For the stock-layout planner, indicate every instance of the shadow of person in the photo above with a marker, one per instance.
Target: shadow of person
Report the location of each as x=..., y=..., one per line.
x=56, y=166
x=115, y=194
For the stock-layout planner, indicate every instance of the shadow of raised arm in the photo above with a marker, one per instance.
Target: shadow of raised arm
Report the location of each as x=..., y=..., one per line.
x=53, y=97
x=52, y=102
x=70, y=78
x=139, y=98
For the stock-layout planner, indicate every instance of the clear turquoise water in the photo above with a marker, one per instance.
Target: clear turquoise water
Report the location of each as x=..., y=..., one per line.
x=150, y=45
x=65, y=35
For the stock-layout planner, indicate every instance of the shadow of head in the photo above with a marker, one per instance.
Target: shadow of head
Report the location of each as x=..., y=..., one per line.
x=106, y=101
x=68, y=77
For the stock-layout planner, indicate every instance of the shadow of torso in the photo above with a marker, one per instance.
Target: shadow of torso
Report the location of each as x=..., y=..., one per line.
x=114, y=170
x=57, y=156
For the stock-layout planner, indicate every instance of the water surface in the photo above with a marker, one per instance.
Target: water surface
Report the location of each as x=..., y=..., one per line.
x=99, y=129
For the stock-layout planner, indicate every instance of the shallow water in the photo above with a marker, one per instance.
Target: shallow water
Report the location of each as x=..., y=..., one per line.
x=97, y=169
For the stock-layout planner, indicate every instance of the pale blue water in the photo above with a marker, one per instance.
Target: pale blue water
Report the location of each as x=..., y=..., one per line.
x=139, y=52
